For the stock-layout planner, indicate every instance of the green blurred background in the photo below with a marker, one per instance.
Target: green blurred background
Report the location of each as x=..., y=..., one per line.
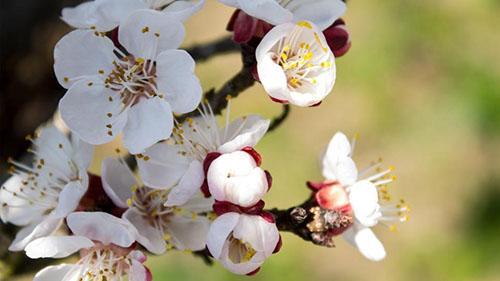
x=421, y=87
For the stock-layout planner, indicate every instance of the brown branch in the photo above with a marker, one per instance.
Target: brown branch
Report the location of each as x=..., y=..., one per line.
x=202, y=52
x=278, y=120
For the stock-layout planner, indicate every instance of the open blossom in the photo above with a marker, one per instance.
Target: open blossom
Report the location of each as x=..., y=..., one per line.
x=106, y=246
x=134, y=91
x=295, y=64
x=194, y=151
x=160, y=227
x=361, y=192
x=40, y=196
x=321, y=12
x=105, y=15
x=242, y=242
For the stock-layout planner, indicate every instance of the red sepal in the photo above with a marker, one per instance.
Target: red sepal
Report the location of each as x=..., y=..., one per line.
x=269, y=179
x=204, y=189
x=316, y=104
x=268, y=217
x=255, y=155
x=337, y=38
x=222, y=207
x=278, y=246
x=278, y=100
x=253, y=272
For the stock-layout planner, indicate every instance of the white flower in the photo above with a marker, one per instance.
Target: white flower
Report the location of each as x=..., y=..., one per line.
x=104, y=242
x=321, y=12
x=160, y=227
x=364, y=192
x=39, y=197
x=105, y=15
x=110, y=91
x=181, y=158
x=242, y=242
x=236, y=178
x=295, y=64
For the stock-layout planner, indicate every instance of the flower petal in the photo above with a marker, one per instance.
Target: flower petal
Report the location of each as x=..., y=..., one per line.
x=219, y=232
x=149, y=237
x=367, y=243
x=36, y=230
x=69, y=198
x=183, y=10
x=138, y=272
x=80, y=54
x=89, y=114
x=262, y=235
x=337, y=162
x=363, y=197
x=188, y=186
x=321, y=12
x=57, y=272
x=57, y=246
x=102, y=227
x=176, y=79
x=243, y=132
x=81, y=16
x=165, y=166
x=266, y=10
x=111, y=12
x=149, y=122
x=147, y=33
x=188, y=233
x=117, y=181
x=23, y=215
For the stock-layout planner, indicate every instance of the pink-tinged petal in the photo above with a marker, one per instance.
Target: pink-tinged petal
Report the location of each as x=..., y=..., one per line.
x=149, y=237
x=177, y=81
x=117, y=181
x=244, y=132
x=219, y=232
x=188, y=233
x=367, y=243
x=165, y=165
x=27, y=234
x=62, y=272
x=332, y=197
x=88, y=112
x=138, y=272
x=149, y=122
x=69, y=198
x=188, y=186
x=262, y=235
x=80, y=54
x=57, y=246
x=102, y=227
x=146, y=33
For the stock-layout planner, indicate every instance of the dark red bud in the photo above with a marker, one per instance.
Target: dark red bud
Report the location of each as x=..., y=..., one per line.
x=337, y=38
x=243, y=26
x=269, y=179
x=253, y=272
x=255, y=155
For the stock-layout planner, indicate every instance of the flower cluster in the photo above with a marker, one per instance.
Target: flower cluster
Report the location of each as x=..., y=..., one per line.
x=198, y=185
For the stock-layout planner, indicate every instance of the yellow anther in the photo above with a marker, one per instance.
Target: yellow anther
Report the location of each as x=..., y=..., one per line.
x=145, y=29
x=304, y=24
x=129, y=202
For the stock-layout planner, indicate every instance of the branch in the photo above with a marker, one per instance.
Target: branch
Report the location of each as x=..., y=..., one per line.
x=278, y=120
x=202, y=52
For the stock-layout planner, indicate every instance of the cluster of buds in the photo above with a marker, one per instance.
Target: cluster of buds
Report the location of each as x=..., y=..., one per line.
x=199, y=186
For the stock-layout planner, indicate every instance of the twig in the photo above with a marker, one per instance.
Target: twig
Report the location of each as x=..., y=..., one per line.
x=278, y=120
x=205, y=51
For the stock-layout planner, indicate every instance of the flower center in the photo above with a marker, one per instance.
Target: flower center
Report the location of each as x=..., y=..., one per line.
x=239, y=251
x=302, y=57
x=103, y=264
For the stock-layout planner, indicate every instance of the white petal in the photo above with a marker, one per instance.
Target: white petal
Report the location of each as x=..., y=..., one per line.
x=188, y=186
x=244, y=132
x=24, y=215
x=149, y=122
x=102, y=227
x=81, y=16
x=366, y=242
x=267, y=10
x=83, y=153
x=199, y=204
x=241, y=268
x=188, y=234
x=56, y=272
x=337, y=162
x=234, y=177
x=149, y=237
x=138, y=272
x=147, y=33
x=165, y=166
x=262, y=235
x=177, y=81
x=110, y=13
x=321, y=12
x=85, y=110
x=69, y=198
x=339, y=147
x=219, y=232
x=183, y=10
x=363, y=197
x=81, y=53
x=117, y=181
x=57, y=246
x=36, y=230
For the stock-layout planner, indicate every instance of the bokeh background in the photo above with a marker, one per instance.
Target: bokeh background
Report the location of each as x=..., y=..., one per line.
x=421, y=86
